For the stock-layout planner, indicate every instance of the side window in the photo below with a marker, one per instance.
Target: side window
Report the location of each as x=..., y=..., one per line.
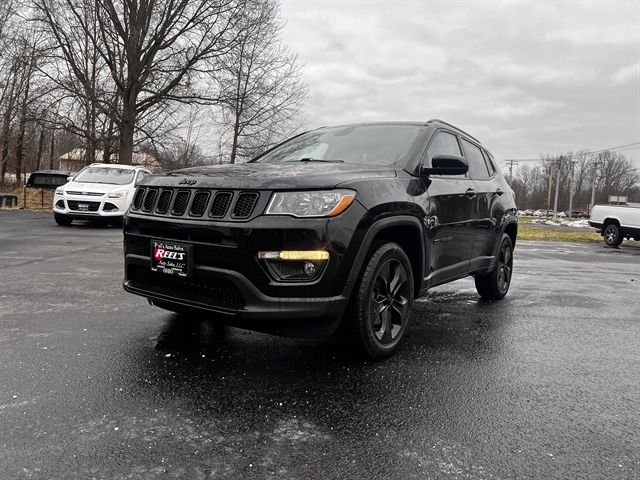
x=477, y=166
x=140, y=175
x=443, y=143
x=489, y=162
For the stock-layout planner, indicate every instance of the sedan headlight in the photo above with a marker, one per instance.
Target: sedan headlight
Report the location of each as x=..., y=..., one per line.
x=117, y=194
x=311, y=204
x=59, y=191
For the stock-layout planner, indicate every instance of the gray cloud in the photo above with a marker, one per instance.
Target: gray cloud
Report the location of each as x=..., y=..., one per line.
x=524, y=77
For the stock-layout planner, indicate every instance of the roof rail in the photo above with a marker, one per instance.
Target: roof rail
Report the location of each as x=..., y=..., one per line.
x=453, y=126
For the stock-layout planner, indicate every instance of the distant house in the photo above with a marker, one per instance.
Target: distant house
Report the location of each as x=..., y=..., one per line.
x=75, y=160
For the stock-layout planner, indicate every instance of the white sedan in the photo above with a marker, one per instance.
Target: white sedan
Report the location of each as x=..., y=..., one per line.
x=99, y=191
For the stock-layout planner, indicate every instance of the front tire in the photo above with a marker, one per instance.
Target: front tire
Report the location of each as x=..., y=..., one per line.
x=62, y=219
x=495, y=284
x=382, y=302
x=612, y=235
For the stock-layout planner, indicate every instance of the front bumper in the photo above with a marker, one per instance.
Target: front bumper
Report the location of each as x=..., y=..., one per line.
x=97, y=206
x=231, y=281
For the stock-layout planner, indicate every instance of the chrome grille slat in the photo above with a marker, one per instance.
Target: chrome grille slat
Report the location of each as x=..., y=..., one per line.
x=137, y=201
x=164, y=201
x=180, y=203
x=149, y=199
x=244, y=205
x=209, y=203
x=220, y=204
x=199, y=203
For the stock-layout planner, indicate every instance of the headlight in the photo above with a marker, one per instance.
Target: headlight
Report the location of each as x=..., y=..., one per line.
x=311, y=204
x=59, y=191
x=117, y=194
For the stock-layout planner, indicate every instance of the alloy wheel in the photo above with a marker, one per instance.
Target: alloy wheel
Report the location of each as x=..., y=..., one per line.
x=389, y=301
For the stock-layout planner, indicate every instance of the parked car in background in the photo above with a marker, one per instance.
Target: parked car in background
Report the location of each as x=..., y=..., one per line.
x=101, y=191
x=348, y=223
x=539, y=213
x=48, y=178
x=616, y=222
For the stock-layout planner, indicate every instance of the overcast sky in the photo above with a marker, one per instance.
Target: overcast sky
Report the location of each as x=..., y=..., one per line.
x=525, y=77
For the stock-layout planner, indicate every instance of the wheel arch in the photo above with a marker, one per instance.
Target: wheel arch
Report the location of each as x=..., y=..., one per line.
x=404, y=230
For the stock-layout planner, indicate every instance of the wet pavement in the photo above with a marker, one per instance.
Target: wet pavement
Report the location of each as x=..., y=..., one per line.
x=95, y=383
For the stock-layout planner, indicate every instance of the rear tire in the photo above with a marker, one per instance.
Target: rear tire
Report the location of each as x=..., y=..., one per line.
x=495, y=284
x=62, y=219
x=612, y=235
x=382, y=302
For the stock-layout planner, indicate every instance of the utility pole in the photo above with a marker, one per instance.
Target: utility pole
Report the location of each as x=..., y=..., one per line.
x=593, y=185
x=510, y=163
x=573, y=162
x=549, y=189
x=555, y=201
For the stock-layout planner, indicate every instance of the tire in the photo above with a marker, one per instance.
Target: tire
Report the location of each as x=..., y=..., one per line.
x=62, y=219
x=382, y=302
x=495, y=284
x=612, y=235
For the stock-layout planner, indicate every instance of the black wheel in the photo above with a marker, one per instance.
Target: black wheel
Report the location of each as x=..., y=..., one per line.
x=612, y=235
x=382, y=302
x=62, y=219
x=495, y=284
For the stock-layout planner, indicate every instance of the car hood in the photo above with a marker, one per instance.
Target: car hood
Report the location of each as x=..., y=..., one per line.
x=262, y=176
x=94, y=187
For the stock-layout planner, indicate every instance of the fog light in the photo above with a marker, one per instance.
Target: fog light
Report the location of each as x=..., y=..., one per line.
x=309, y=269
x=309, y=255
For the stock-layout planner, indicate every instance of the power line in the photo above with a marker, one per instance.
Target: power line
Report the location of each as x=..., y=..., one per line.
x=636, y=146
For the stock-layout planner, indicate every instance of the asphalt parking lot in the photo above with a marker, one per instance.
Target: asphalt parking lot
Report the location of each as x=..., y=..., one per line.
x=95, y=383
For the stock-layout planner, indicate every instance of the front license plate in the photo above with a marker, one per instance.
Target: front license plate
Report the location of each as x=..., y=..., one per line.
x=171, y=258
x=83, y=207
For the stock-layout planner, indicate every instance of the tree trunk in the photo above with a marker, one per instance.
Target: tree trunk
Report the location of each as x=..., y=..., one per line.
x=52, y=148
x=40, y=148
x=125, y=150
x=21, y=130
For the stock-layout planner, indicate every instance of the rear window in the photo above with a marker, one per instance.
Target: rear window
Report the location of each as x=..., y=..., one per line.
x=46, y=180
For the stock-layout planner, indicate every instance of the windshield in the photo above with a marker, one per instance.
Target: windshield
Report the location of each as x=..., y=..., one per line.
x=111, y=175
x=384, y=145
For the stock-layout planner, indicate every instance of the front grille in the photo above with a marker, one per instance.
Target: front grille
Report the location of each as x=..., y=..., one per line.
x=137, y=201
x=244, y=205
x=91, y=206
x=180, y=203
x=86, y=194
x=205, y=290
x=149, y=199
x=220, y=204
x=164, y=201
x=195, y=203
x=199, y=204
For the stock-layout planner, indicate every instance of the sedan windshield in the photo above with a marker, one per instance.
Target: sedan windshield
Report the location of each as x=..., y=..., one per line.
x=110, y=175
x=384, y=145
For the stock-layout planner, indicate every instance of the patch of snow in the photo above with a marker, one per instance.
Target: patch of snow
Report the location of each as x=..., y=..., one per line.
x=561, y=222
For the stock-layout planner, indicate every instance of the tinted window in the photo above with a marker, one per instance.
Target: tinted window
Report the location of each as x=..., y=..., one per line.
x=443, y=143
x=477, y=166
x=44, y=180
x=110, y=175
x=487, y=159
x=363, y=144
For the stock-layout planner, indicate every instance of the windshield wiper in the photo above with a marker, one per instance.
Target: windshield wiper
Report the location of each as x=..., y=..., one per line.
x=309, y=159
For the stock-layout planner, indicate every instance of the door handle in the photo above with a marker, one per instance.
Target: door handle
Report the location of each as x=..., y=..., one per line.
x=499, y=192
x=470, y=193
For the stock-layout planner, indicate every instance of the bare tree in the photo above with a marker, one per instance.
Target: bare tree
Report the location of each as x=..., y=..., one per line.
x=261, y=85
x=151, y=49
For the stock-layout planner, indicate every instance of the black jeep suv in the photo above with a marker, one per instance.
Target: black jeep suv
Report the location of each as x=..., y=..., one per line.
x=348, y=223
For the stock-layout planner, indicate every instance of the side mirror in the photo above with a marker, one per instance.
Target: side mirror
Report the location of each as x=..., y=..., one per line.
x=446, y=165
